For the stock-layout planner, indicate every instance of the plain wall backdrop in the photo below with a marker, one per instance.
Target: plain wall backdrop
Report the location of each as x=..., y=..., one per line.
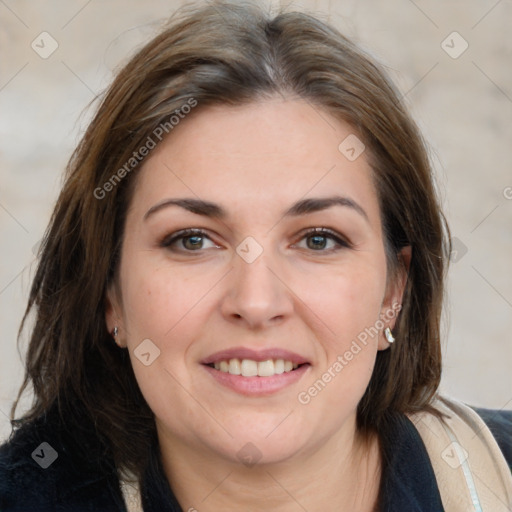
x=451, y=61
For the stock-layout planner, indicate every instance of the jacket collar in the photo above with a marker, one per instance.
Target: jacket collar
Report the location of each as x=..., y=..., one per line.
x=409, y=482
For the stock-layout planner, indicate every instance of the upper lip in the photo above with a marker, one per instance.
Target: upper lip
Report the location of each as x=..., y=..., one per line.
x=255, y=355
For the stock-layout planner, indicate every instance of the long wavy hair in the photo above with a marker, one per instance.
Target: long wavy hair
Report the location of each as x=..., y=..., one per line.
x=223, y=53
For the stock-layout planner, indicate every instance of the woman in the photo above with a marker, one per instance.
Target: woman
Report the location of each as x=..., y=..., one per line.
x=238, y=298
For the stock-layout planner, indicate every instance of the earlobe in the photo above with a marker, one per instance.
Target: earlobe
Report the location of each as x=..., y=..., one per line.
x=392, y=303
x=110, y=310
x=400, y=279
x=112, y=319
x=404, y=257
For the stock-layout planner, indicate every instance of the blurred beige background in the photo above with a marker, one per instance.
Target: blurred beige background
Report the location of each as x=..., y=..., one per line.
x=458, y=85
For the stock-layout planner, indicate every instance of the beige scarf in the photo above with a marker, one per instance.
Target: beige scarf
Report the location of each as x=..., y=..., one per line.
x=471, y=472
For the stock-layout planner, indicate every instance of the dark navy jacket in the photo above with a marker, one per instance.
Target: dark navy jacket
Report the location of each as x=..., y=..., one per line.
x=74, y=483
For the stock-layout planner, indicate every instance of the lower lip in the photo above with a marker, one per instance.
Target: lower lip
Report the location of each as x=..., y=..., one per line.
x=257, y=386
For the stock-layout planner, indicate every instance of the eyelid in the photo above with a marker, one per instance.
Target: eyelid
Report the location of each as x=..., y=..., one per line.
x=184, y=233
x=340, y=240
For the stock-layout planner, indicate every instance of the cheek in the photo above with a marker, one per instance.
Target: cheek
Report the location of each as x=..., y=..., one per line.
x=347, y=300
x=158, y=298
x=348, y=304
x=165, y=305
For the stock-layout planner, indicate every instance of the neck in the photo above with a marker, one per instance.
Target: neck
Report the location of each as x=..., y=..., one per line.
x=342, y=473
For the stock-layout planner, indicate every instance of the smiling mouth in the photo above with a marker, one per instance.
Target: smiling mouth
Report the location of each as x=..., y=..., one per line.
x=251, y=368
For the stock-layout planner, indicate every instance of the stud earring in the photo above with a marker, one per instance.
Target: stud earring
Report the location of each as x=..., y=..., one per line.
x=389, y=335
x=115, y=331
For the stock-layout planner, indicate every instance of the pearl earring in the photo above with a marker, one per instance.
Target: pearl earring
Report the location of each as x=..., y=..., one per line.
x=389, y=335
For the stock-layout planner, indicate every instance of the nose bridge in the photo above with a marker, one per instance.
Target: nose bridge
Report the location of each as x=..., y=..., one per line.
x=257, y=293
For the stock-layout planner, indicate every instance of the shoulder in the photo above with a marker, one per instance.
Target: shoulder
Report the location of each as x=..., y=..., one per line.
x=499, y=423
x=43, y=468
x=468, y=453
x=486, y=424
x=23, y=481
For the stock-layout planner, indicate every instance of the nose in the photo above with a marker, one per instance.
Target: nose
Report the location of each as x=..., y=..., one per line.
x=257, y=294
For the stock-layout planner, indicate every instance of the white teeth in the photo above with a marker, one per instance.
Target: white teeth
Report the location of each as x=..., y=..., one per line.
x=251, y=368
x=234, y=367
x=278, y=366
x=266, y=368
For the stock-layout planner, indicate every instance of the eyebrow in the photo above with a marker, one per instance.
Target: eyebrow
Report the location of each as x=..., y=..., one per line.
x=302, y=207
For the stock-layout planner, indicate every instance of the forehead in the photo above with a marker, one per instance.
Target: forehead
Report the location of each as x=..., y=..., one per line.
x=266, y=154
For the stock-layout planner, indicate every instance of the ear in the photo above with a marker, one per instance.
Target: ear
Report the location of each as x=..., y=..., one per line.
x=112, y=316
x=392, y=303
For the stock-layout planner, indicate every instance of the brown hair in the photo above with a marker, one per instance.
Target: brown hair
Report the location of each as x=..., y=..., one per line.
x=224, y=53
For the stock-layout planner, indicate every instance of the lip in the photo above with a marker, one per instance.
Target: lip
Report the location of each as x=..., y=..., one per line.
x=255, y=355
x=257, y=386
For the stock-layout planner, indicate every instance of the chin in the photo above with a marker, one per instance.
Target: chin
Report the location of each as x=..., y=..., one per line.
x=258, y=452
x=274, y=445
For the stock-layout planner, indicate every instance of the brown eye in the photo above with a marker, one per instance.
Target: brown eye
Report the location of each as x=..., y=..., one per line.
x=318, y=239
x=191, y=240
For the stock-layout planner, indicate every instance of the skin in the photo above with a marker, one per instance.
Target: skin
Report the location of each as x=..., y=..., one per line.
x=255, y=161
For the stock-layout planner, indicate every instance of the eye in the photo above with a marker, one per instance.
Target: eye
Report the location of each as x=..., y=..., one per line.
x=191, y=240
x=319, y=238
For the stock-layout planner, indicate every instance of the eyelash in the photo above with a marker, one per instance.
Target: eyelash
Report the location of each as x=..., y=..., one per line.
x=341, y=243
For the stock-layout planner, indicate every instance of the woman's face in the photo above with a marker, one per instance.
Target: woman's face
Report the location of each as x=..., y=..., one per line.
x=255, y=291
